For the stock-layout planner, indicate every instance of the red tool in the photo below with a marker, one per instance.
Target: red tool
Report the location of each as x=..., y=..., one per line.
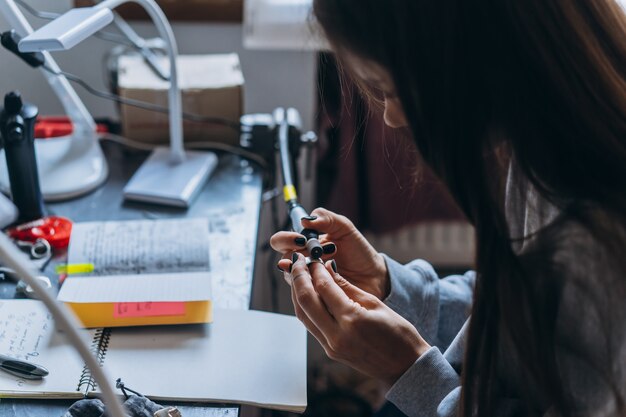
x=48, y=127
x=56, y=230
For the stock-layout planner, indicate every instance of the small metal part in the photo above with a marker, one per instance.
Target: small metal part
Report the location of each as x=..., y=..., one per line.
x=22, y=287
x=27, y=290
x=40, y=251
x=310, y=260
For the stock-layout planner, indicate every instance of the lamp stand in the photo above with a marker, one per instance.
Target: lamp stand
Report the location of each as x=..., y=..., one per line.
x=175, y=176
x=163, y=181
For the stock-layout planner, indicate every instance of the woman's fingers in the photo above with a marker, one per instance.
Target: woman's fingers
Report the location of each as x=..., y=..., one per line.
x=335, y=299
x=285, y=263
x=287, y=242
x=330, y=223
x=309, y=300
x=301, y=315
x=361, y=297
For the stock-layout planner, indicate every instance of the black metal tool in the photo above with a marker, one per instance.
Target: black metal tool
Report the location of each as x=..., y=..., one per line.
x=17, y=131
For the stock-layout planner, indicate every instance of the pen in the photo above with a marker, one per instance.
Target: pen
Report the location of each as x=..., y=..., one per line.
x=22, y=369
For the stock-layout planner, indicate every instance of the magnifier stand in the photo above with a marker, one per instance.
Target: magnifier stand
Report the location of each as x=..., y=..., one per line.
x=72, y=165
x=69, y=166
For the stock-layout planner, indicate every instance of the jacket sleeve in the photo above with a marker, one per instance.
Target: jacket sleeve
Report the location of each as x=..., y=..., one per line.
x=436, y=307
x=439, y=309
x=432, y=385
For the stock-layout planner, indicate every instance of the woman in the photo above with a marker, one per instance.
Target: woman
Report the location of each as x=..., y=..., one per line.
x=520, y=109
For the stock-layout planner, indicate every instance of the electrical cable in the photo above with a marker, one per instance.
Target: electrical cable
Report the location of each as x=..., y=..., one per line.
x=296, y=211
x=272, y=257
x=217, y=146
x=142, y=104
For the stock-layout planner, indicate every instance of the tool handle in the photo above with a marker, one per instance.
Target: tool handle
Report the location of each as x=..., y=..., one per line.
x=296, y=214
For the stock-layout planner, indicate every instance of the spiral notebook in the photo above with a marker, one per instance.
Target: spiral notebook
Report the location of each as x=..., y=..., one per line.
x=244, y=357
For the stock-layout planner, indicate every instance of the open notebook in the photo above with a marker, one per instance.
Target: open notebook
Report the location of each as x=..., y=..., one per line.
x=244, y=357
x=142, y=272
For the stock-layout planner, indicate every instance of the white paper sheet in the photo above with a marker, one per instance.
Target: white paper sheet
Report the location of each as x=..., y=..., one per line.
x=246, y=357
x=243, y=357
x=183, y=287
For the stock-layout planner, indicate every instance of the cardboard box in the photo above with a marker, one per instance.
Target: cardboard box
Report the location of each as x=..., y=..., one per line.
x=212, y=85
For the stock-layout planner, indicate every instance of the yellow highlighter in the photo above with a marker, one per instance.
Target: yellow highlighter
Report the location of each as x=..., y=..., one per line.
x=75, y=269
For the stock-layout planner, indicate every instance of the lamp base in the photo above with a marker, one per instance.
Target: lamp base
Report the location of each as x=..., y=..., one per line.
x=68, y=167
x=160, y=181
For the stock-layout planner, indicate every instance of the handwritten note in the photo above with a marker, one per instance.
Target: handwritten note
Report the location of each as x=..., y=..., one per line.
x=141, y=247
x=148, y=309
x=24, y=328
x=27, y=332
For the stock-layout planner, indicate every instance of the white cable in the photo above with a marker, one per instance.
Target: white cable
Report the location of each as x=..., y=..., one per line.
x=27, y=271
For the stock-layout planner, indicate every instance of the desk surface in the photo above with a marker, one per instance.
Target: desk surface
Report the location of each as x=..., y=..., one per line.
x=231, y=200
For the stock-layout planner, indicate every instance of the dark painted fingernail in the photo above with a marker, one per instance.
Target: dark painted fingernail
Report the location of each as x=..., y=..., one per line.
x=309, y=218
x=279, y=268
x=333, y=265
x=330, y=248
x=294, y=257
x=300, y=241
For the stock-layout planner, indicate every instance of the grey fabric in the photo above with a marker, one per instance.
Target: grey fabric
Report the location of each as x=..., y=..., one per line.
x=135, y=406
x=86, y=408
x=436, y=307
x=416, y=387
x=591, y=335
x=141, y=406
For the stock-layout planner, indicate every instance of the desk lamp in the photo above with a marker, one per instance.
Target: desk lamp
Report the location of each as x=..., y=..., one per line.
x=13, y=258
x=68, y=166
x=170, y=176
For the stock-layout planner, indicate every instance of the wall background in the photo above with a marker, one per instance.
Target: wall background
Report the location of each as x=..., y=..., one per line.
x=273, y=78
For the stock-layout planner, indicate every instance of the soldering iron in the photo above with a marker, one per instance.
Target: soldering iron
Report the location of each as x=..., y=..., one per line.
x=266, y=134
x=286, y=119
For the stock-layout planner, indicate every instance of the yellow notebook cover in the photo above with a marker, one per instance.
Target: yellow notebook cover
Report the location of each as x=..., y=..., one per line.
x=94, y=315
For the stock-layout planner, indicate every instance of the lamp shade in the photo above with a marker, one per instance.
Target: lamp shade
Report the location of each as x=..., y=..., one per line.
x=68, y=30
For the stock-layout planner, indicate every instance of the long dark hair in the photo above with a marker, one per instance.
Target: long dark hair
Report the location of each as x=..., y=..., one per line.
x=544, y=79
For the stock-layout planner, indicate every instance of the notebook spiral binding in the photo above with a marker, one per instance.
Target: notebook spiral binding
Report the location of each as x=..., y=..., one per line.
x=98, y=348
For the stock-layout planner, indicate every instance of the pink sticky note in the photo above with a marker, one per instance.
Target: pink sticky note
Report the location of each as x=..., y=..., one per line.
x=148, y=309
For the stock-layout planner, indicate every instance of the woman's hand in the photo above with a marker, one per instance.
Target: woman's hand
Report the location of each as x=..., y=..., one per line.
x=359, y=262
x=353, y=326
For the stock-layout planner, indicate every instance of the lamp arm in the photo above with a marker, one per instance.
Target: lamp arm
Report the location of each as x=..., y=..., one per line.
x=177, y=150
x=16, y=260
